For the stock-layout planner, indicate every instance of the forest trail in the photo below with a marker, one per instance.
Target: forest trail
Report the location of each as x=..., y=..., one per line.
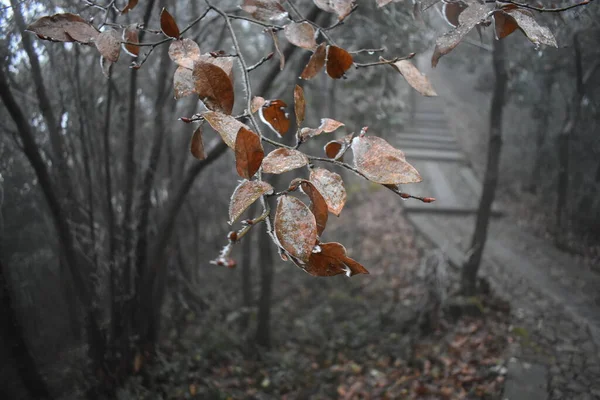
x=554, y=298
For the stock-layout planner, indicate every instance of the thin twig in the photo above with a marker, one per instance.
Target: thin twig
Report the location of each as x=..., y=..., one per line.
x=541, y=9
x=260, y=62
x=384, y=62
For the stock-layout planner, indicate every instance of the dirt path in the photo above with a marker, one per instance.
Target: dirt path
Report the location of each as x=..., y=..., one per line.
x=554, y=297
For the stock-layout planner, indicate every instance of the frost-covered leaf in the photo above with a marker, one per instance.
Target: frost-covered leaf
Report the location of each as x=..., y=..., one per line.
x=248, y=153
x=381, y=163
x=244, y=195
x=225, y=63
x=338, y=61
x=328, y=125
x=168, y=25
x=299, y=104
x=130, y=35
x=504, y=24
x=274, y=115
x=331, y=187
x=183, y=83
x=318, y=205
x=64, y=27
x=315, y=63
x=341, y=7
x=295, y=227
x=414, y=77
x=214, y=87
x=301, y=34
x=282, y=160
x=536, y=33
x=184, y=52
x=264, y=10
x=108, y=44
x=225, y=125
x=256, y=104
x=330, y=259
x=451, y=12
x=197, y=145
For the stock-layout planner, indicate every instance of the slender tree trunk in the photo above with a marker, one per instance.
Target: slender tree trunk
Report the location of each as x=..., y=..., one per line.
x=263, y=327
x=471, y=266
x=13, y=334
x=246, y=267
x=541, y=134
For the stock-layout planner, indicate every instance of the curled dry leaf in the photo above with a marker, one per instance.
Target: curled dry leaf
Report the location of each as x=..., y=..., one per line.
x=256, y=104
x=248, y=153
x=451, y=12
x=244, y=195
x=64, y=27
x=331, y=187
x=318, y=205
x=130, y=35
x=282, y=160
x=301, y=34
x=414, y=77
x=338, y=61
x=299, y=104
x=130, y=6
x=295, y=227
x=333, y=148
x=328, y=125
x=381, y=163
x=184, y=52
x=108, y=44
x=315, y=63
x=183, y=82
x=274, y=115
x=504, y=24
x=214, y=87
x=168, y=25
x=227, y=126
x=468, y=19
x=536, y=33
x=197, y=145
x=330, y=259
x=341, y=7
x=264, y=10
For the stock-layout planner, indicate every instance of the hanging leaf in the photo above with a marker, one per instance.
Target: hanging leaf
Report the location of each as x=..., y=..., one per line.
x=197, y=145
x=130, y=35
x=256, y=104
x=65, y=27
x=299, y=104
x=244, y=195
x=248, y=153
x=318, y=205
x=328, y=125
x=184, y=52
x=108, y=44
x=130, y=6
x=295, y=227
x=536, y=33
x=333, y=148
x=225, y=63
x=416, y=79
x=452, y=11
x=330, y=259
x=301, y=34
x=341, y=7
x=214, y=87
x=504, y=24
x=274, y=115
x=168, y=25
x=227, y=126
x=331, y=187
x=183, y=83
x=277, y=49
x=468, y=19
x=264, y=10
x=381, y=163
x=338, y=61
x=316, y=62
x=282, y=160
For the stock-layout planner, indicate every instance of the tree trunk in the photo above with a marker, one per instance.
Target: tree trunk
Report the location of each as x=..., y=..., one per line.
x=246, y=267
x=13, y=335
x=263, y=328
x=542, y=132
x=471, y=266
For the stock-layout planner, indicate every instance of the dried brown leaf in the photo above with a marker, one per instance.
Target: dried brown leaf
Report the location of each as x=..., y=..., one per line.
x=274, y=115
x=214, y=87
x=331, y=187
x=64, y=27
x=451, y=12
x=130, y=35
x=108, y=44
x=299, y=104
x=504, y=24
x=295, y=227
x=414, y=77
x=168, y=25
x=184, y=52
x=130, y=6
x=264, y=10
x=338, y=61
x=301, y=34
x=381, y=163
x=244, y=195
x=197, y=145
x=225, y=125
x=328, y=125
x=333, y=148
x=248, y=153
x=225, y=63
x=318, y=205
x=316, y=62
x=330, y=259
x=282, y=160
